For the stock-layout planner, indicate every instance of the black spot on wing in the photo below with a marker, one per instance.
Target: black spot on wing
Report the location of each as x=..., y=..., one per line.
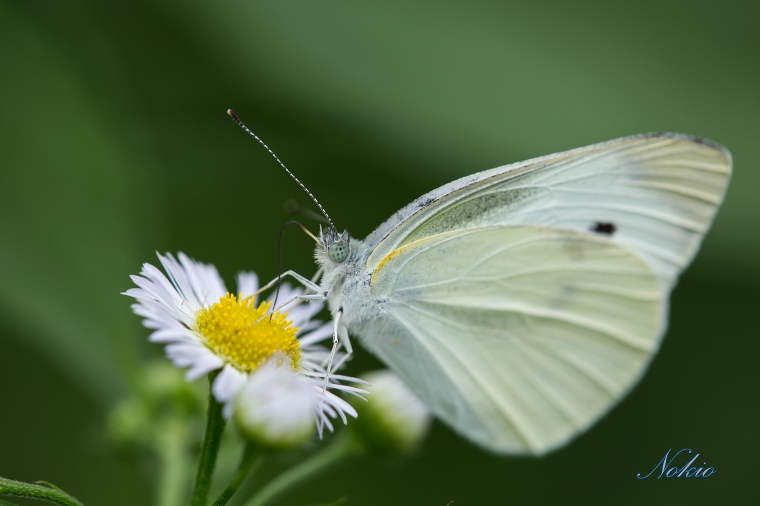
x=604, y=228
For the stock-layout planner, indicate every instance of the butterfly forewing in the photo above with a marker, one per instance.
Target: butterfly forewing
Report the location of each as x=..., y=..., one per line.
x=518, y=337
x=653, y=194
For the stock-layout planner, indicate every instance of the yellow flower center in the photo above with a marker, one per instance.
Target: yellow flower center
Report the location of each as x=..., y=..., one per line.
x=245, y=336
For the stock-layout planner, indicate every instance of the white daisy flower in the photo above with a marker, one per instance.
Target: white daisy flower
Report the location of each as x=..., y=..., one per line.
x=206, y=328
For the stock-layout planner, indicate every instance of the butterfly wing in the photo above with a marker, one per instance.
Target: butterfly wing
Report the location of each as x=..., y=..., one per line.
x=521, y=302
x=518, y=337
x=653, y=194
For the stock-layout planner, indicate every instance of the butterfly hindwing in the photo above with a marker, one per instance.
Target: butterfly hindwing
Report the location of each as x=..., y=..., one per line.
x=518, y=337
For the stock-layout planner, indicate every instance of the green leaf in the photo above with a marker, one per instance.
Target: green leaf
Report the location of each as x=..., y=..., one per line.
x=40, y=492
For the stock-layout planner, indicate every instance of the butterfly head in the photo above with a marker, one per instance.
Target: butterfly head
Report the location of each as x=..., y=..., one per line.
x=333, y=246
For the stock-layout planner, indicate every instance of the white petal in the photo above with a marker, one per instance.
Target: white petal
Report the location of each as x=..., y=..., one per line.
x=197, y=357
x=172, y=335
x=308, y=311
x=317, y=335
x=286, y=293
x=227, y=385
x=181, y=280
x=203, y=367
x=340, y=406
x=205, y=280
x=247, y=283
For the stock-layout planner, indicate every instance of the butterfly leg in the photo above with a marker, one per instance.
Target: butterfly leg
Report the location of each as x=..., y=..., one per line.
x=318, y=297
x=335, y=346
x=346, y=342
x=340, y=338
x=336, y=342
x=310, y=285
x=328, y=368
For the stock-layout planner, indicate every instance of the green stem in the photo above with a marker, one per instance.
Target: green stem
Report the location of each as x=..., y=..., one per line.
x=211, y=443
x=342, y=448
x=21, y=489
x=251, y=457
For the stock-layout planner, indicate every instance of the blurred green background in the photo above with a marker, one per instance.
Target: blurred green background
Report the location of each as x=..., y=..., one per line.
x=115, y=144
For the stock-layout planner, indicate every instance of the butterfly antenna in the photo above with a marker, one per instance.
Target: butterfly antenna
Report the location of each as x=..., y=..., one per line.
x=240, y=123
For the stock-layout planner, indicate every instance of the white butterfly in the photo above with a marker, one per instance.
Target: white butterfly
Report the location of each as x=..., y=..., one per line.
x=522, y=302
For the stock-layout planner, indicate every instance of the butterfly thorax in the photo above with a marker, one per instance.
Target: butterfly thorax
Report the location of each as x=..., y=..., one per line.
x=344, y=280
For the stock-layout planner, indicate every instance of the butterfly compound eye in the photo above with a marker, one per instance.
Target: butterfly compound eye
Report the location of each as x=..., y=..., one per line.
x=338, y=252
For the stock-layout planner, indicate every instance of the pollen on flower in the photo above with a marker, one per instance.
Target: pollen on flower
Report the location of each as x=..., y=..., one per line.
x=244, y=335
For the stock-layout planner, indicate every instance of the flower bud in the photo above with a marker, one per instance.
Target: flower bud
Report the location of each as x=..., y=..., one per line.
x=276, y=407
x=394, y=421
